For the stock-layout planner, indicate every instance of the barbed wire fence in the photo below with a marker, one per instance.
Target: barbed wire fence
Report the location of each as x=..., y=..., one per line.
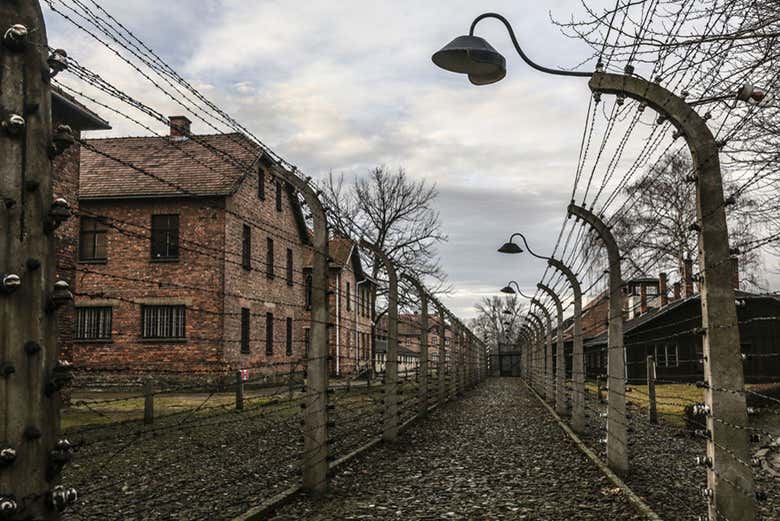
x=199, y=432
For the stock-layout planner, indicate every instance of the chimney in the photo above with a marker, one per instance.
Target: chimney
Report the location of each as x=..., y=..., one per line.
x=676, y=291
x=180, y=126
x=735, y=272
x=688, y=277
x=662, y=289
x=642, y=298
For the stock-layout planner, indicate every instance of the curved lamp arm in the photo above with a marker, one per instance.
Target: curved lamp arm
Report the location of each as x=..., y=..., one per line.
x=528, y=248
x=525, y=58
x=517, y=291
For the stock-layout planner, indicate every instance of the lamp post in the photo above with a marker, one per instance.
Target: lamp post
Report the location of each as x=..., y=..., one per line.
x=730, y=483
x=578, y=356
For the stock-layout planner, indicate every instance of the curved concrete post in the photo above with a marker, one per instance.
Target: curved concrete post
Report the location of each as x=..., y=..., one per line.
x=315, y=445
x=390, y=430
x=617, y=438
x=441, y=368
x=731, y=483
x=549, y=392
x=538, y=353
x=578, y=355
x=560, y=360
x=424, y=369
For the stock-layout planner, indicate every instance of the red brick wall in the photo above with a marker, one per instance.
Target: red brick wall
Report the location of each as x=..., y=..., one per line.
x=196, y=280
x=354, y=328
x=253, y=289
x=65, y=183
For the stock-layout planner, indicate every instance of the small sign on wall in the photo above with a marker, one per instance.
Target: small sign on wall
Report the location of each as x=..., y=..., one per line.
x=244, y=375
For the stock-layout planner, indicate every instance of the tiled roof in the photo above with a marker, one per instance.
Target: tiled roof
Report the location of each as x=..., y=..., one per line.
x=203, y=165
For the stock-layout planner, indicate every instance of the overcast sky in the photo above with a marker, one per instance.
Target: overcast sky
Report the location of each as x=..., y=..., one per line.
x=344, y=86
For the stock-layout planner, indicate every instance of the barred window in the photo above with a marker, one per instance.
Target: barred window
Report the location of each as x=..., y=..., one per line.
x=278, y=196
x=671, y=355
x=261, y=184
x=269, y=333
x=165, y=237
x=164, y=322
x=306, y=340
x=349, y=297
x=307, y=289
x=269, y=258
x=246, y=248
x=289, y=336
x=93, y=323
x=245, y=330
x=92, y=240
x=289, y=267
x=660, y=355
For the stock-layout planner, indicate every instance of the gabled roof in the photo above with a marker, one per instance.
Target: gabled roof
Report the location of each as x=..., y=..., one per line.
x=342, y=251
x=67, y=110
x=635, y=323
x=200, y=166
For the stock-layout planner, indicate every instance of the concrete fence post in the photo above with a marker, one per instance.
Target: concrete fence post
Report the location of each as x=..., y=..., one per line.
x=239, y=391
x=617, y=436
x=730, y=481
x=315, y=413
x=30, y=294
x=148, y=401
x=390, y=421
x=560, y=361
x=651, y=390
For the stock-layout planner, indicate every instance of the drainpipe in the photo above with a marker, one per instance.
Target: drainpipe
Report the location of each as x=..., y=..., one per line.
x=357, y=318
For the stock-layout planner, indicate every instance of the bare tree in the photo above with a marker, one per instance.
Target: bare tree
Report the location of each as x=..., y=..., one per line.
x=396, y=214
x=498, y=319
x=655, y=227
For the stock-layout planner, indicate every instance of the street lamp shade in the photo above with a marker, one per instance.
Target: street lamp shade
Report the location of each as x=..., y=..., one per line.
x=510, y=247
x=474, y=56
x=508, y=290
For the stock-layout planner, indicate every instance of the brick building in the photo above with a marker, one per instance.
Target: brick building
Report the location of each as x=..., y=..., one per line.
x=65, y=182
x=351, y=307
x=190, y=257
x=409, y=342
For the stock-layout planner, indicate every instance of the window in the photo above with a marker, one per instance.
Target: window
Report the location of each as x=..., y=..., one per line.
x=307, y=289
x=92, y=240
x=164, y=322
x=246, y=248
x=671, y=355
x=165, y=237
x=349, y=297
x=289, y=336
x=245, y=330
x=289, y=267
x=261, y=184
x=278, y=196
x=93, y=323
x=660, y=355
x=269, y=333
x=269, y=258
x=306, y=340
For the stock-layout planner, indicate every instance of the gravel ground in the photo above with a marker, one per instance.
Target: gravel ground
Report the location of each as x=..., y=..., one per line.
x=211, y=464
x=497, y=454
x=663, y=470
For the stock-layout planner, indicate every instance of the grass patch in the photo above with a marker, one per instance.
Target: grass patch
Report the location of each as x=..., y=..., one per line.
x=94, y=408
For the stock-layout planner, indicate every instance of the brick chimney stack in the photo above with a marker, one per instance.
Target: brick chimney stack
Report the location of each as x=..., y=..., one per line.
x=676, y=287
x=735, y=272
x=662, y=289
x=180, y=126
x=688, y=278
x=642, y=299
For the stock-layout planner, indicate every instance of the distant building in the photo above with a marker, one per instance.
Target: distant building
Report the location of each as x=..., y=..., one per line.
x=351, y=306
x=409, y=343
